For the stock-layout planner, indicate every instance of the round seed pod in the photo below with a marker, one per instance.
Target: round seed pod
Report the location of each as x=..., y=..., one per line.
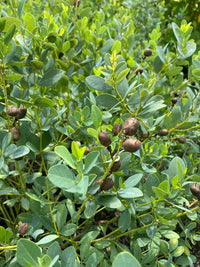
x=12, y=110
x=115, y=167
x=107, y=184
x=139, y=70
x=130, y=126
x=23, y=228
x=195, y=189
x=163, y=132
x=15, y=132
x=22, y=113
x=104, y=138
x=116, y=128
x=147, y=52
x=174, y=100
x=87, y=151
x=131, y=145
x=181, y=140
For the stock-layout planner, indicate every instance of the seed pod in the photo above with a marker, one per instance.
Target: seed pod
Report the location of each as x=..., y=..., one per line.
x=87, y=151
x=12, y=110
x=104, y=138
x=130, y=126
x=195, y=189
x=116, y=128
x=163, y=132
x=131, y=145
x=181, y=140
x=147, y=52
x=15, y=132
x=116, y=165
x=23, y=228
x=139, y=70
x=174, y=100
x=107, y=184
x=142, y=136
x=21, y=113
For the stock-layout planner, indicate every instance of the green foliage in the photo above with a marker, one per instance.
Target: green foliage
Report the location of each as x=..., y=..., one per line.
x=79, y=69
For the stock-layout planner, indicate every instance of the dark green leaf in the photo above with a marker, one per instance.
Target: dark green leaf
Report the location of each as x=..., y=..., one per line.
x=51, y=77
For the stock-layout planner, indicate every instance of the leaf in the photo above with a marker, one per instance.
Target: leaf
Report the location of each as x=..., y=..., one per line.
x=76, y=151
x=5, y=142
x=68, y=257
x=151, y=231
x=29, y=22
x=47, y=239
x=51, y=77
x=9, y=34
x=5, y=235
x=90, y=161
x=20, y=152
x=133, y=180
x=9, y=21
x=61, y=176
x=13, y=77
x=176, y=167
x=69, y=229
x=125, y=259
x=107, y=100
x=20, y=7
x=27, y=252
x=98, y=83
x=64, y=153
x=96, y=116
x=161, y=54
x=116, y=46
x=2, y=25
x=124, y=221
x=109, y=201
x=132, y=192
x=169, y=234
x=122, y=75
x=44, y=102
x=177, y=32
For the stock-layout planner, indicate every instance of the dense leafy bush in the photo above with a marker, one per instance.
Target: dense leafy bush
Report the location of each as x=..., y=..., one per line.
x=81, y=183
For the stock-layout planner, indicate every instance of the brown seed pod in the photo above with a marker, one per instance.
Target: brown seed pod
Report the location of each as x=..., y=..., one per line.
x=130, y=126
x=163, y=132
x=195, y=189
x=15, y=132
x=87, y=151
x=116, y=165
x=104, y=138
x=143, y=136
x=116, y=128
x=107, y=184
x=174, y=100
x=139, y=70
x=131, y=145
x=181, y=140
x=147, y=52
x=23, y=228
x=21, y=113
x=12, y=110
